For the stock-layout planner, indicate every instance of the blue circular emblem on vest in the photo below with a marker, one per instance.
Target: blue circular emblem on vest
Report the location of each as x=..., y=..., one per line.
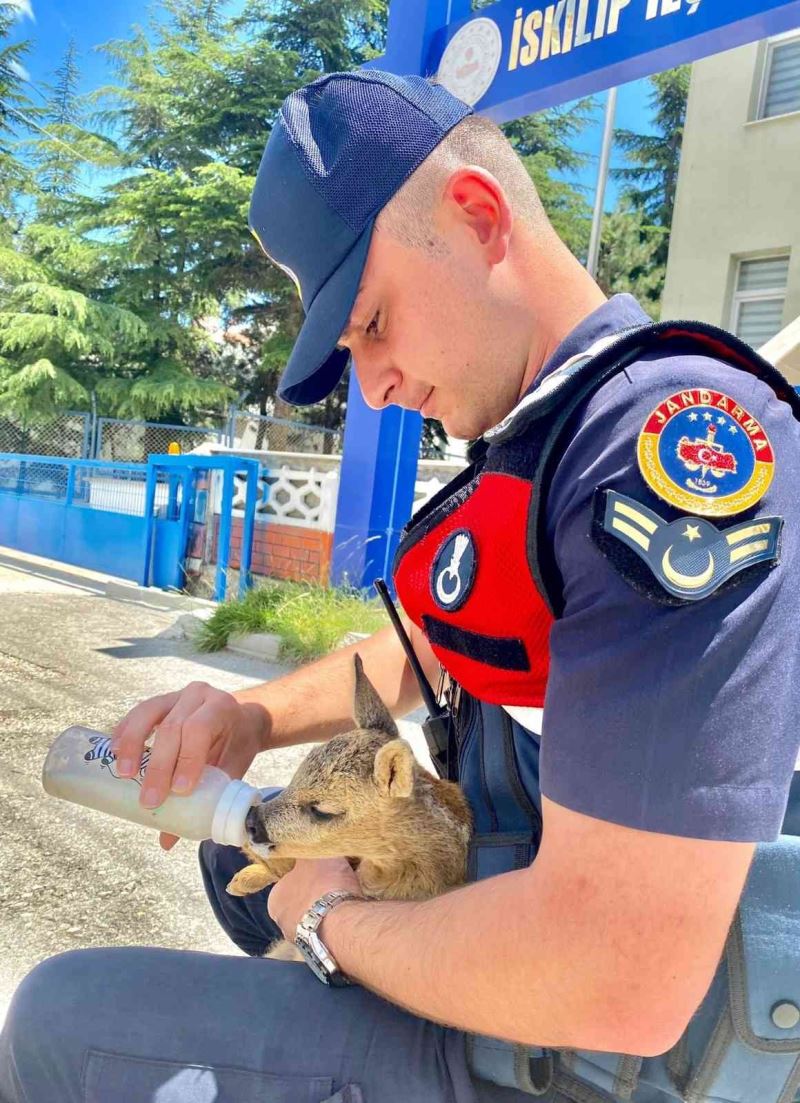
x=453, y=571
x=702, y=452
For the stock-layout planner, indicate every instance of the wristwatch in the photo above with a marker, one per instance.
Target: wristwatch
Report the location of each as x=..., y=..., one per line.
x=318, y=958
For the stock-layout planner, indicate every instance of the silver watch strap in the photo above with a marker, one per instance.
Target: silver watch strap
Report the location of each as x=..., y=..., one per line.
x=319, y=959
x=320, y=908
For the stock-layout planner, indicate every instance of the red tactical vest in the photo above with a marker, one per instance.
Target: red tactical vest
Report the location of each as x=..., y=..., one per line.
x=472, y=569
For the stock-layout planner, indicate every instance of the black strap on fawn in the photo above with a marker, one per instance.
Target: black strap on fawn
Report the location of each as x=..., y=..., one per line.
x=563, y=400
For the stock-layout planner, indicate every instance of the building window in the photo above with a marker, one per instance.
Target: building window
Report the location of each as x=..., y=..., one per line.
x=780, y=92
x=759, y=298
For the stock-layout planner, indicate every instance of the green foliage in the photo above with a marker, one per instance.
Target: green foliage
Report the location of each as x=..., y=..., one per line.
x=628, y=257
x=15, y=178
x=311, y=619
x=164, y=388
x=635, y=242
x=327, y=35
x=552, y=132
x=651, y=177
x=42, y=389
x=135, y=235
x=54, y=341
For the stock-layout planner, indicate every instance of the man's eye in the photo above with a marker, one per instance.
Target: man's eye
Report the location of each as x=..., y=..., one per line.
x=320, y=814
x=372, y=328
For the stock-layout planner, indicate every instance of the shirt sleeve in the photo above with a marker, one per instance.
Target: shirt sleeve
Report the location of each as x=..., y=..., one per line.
x=683, y=719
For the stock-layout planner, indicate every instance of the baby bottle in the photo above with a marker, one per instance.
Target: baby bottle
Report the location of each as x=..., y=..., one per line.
x=81, y=767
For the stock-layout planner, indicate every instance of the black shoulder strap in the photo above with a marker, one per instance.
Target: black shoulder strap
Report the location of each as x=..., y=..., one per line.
x=581, y=378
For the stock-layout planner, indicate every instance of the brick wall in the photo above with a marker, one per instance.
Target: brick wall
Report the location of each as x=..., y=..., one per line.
x=282, y=551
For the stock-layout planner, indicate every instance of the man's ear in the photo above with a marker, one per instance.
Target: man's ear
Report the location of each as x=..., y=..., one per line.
x=394, y=769
x=482, y=204
x=369, y=710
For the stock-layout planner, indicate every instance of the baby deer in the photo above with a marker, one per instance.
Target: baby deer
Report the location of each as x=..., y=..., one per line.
x=362, y=796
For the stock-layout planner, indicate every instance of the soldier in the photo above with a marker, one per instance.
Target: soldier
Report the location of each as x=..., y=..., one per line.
x=611, y=589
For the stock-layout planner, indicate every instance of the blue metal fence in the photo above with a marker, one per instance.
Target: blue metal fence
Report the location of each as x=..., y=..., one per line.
x=130, y=520
x=83, y=512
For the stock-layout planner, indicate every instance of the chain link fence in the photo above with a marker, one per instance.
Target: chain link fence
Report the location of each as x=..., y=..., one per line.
x=67, y=435
x=83, y=436
x=134, y=441
x=275, y=434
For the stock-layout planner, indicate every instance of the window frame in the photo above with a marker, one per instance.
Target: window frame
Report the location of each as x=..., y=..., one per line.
x=766, y=72
x=762, y=293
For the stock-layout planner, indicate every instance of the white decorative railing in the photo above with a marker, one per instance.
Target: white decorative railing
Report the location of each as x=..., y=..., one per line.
x=303, y=498
x=302, y=489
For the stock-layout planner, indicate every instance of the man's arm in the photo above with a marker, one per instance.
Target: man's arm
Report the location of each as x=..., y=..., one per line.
x=315, y=702
x=609, y=941
x=201, y=724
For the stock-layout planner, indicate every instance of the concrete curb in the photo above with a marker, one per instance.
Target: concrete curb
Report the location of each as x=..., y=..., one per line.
x=256, y=645
x=259, y=645
x=158, y=599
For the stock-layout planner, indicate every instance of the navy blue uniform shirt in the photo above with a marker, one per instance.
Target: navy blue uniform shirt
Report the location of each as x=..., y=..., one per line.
x=682, y=720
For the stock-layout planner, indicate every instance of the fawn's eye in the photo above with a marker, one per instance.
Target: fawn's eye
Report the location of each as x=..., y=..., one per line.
x=322, y=814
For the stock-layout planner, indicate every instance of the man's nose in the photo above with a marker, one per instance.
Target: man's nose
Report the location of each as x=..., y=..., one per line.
x=255, y=826
x=379, y=382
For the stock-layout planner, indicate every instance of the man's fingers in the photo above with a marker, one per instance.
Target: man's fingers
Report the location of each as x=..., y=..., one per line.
x=178, y=736
x=197, y=735
x=129, y=735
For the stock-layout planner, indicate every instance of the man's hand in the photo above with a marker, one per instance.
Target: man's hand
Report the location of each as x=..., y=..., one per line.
x=311, y=878
x=196, y=727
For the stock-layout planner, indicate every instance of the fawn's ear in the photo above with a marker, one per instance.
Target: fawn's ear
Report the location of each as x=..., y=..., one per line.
x=394, y=769
x=369, y=710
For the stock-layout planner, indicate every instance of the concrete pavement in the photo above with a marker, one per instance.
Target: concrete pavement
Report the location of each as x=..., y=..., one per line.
x=71, y=877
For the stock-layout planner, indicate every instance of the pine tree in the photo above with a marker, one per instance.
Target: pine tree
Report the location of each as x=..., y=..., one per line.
x=628, y=256
x=652, y=177
x=65, y=93
x=55, y=342
x=327, y=36
x=14, y=103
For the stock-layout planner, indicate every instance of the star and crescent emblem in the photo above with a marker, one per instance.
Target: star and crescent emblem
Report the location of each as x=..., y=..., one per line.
x=690, y=557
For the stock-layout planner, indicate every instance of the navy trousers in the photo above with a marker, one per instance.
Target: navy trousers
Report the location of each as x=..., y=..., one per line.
x=142, y=1025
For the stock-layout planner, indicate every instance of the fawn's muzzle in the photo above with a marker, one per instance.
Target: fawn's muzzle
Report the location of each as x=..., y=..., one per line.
x=255, y=826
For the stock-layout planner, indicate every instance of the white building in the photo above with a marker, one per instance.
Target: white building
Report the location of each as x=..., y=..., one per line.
x=734, y=255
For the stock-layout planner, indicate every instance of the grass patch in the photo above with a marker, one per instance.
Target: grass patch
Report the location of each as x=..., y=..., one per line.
x=311, y=619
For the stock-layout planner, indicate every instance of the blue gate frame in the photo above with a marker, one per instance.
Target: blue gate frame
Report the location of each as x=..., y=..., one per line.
x=168, y=526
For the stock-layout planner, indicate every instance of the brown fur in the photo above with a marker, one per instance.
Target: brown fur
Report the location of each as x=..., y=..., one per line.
x=403, y=830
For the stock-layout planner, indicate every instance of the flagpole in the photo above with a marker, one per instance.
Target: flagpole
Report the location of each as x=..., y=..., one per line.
x=602, y=179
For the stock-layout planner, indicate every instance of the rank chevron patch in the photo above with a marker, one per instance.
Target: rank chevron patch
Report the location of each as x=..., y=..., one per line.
x=690, y=558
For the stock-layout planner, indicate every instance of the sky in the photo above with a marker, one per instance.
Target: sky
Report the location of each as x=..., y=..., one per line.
x=51, y=23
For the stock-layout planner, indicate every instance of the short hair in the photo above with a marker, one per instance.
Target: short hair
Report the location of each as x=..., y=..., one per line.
x=475, y=140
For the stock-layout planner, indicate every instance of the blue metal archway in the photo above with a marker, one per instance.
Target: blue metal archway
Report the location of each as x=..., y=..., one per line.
x=509, y=59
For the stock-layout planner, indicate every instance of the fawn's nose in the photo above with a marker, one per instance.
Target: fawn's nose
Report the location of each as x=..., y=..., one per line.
x=255, y=826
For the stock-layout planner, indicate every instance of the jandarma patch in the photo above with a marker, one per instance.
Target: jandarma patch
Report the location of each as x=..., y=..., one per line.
x=702, y=452
x=690, y=558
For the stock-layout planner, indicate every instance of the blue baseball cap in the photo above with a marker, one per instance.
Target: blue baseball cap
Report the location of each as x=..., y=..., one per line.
x=339, y=150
